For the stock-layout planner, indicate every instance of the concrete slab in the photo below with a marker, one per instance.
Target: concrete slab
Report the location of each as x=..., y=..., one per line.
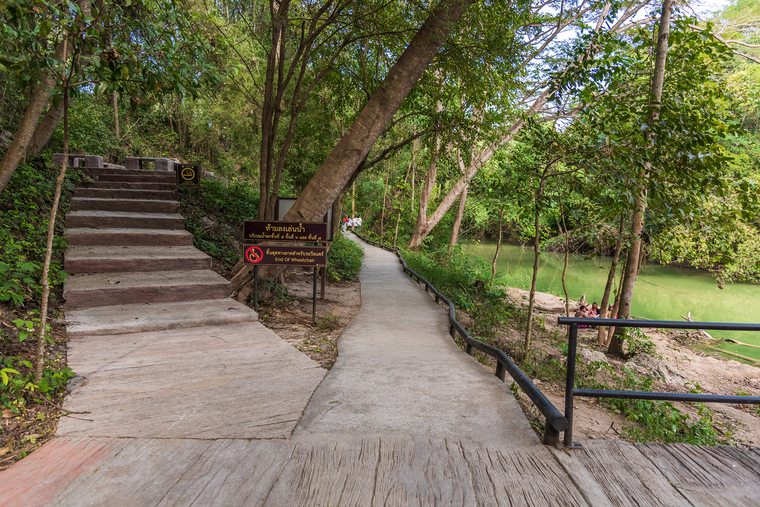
x=144, y=185
x=124, y=193
x=147, y=176
x=107, y=289
x=399, y=372
x=111, y=259
x=128, y=237
x=140, y=318
x=97, y=171
x=233, y=381
x=129, y=204
x=124, y=220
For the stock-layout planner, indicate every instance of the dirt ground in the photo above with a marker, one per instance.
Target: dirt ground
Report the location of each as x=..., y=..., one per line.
x=27, y=426
x=289, y=315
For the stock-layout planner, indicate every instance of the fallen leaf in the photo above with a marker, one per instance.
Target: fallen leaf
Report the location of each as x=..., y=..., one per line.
x=8, y=413
x=4, y=450
x=112, y=282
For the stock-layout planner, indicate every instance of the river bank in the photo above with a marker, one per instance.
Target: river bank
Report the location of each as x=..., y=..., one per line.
x=661, y=292
x=678, y=363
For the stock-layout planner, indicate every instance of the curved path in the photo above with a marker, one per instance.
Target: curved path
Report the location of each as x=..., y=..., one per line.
x=398, y=371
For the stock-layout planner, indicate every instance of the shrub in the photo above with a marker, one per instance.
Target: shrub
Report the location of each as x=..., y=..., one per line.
x=344, y=260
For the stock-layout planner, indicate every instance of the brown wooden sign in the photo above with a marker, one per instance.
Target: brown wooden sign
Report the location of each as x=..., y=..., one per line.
x=302, y=232
x=262, y=255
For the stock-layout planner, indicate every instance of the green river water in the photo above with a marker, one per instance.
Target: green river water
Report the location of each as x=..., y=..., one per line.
x=661, y=292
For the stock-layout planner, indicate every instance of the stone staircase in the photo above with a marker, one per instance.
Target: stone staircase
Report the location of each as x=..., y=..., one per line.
x=128, y=248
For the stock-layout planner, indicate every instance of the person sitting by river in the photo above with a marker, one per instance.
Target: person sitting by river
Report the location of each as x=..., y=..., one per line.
x=594, y=312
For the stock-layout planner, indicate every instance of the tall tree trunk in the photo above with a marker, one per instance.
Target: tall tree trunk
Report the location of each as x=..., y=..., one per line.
x=426, y=224
x=385, y=193
x=536, y=257
x=615, y=308
x=395, y=233
x=116, y=128
x=40, y=359
x=419, y=232
x=603, y=314
x=356, y=143
x=498, y=245
x=18, y=148
x=637, y=227
x=45, y=129
x=458, y=219
x=564, y=268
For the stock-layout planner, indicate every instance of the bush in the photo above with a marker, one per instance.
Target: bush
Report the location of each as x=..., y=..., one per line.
x=228, y=207
x=344, y=260
x=24, y=210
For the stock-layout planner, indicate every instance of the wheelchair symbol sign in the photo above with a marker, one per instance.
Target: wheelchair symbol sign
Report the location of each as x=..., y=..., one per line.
x=254, y=254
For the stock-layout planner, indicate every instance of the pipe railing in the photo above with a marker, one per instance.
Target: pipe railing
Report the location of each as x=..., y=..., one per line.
x=571, y=392
x=555, y=421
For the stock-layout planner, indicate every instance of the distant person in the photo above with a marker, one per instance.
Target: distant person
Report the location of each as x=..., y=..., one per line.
x=357, y=221
x=344, y=222
x=594, y=310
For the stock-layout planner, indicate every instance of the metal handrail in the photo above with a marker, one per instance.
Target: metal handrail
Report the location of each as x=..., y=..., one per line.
x=571, y=391
x=555, y=421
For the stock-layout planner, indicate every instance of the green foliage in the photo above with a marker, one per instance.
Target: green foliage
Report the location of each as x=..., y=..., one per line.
x=637, y=342
x=226, y=206
x=17, y=388
x=655, y=421
x=24, y=212
x=91, y=129
x=344, y=260
x=328, y=322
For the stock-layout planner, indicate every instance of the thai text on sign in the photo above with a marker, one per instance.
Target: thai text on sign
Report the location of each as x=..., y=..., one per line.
x=306, y=232
x=314, y=256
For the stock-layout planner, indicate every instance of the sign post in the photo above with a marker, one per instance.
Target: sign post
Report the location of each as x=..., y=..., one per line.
x=284, y=255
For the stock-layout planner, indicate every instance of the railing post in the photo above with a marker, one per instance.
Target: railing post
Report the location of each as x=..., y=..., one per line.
x=572, y=345
x=452, y=330
x=551, y=435
x=469, y=349
x=501, y=372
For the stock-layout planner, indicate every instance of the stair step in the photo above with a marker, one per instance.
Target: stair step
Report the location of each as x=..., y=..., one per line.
x=142, y=318
x=133, y=205
x=137, y=185
x=109, y=289
x=97, y=171
x=109, y=259
x=124, y=220
x=124, y=193
x=129, y=237
x=147, y=176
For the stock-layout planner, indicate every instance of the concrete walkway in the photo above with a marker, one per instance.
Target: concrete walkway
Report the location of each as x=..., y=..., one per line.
x=201, y=416
x=399, y=372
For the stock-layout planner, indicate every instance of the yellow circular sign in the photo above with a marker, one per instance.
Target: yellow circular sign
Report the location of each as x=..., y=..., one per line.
x=187, y=173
